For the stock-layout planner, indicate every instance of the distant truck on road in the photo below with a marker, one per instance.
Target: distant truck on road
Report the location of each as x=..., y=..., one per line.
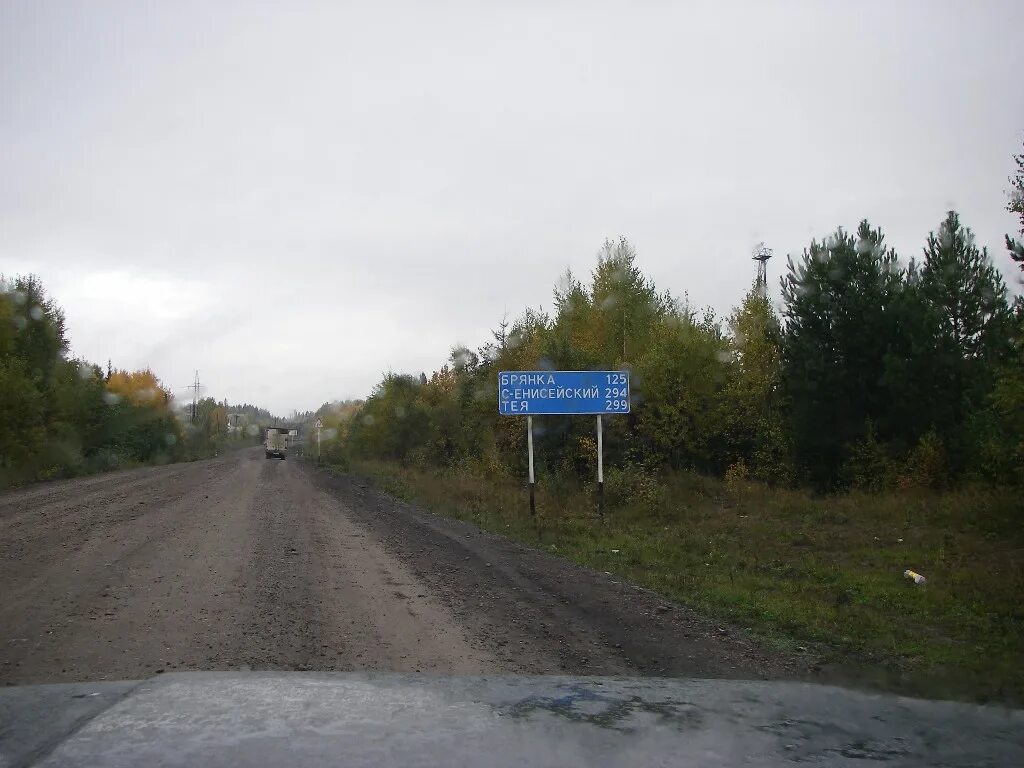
x=276, y=443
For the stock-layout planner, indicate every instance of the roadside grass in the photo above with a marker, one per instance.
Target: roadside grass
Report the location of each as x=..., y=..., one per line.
x=797, y=569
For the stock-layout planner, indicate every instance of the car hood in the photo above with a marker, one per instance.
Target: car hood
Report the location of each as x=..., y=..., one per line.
x=326, y=719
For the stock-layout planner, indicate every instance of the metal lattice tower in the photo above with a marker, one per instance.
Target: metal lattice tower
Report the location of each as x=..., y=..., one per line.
x=194, y=386
x=761, y=254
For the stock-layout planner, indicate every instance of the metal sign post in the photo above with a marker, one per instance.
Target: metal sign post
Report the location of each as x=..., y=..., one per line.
x=600, y=468
x=529, y=443
x=564, y=393
x=319, y=426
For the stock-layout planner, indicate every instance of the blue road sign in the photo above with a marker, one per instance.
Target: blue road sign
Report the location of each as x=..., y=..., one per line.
x=533, y=393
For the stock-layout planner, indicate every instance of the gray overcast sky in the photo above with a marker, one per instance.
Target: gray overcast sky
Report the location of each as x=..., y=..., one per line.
x=296, y=197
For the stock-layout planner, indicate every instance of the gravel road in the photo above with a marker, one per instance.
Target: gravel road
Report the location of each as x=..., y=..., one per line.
x=245, y=563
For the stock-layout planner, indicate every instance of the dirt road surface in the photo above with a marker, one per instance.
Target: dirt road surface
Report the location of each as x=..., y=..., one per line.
x=245, y=563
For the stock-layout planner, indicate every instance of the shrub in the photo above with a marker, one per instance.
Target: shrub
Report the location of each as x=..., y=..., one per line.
x=736, y=476
x=633, y=486
x=773, y=459
x=581, y=459
x=868, y=466
x=927, y=465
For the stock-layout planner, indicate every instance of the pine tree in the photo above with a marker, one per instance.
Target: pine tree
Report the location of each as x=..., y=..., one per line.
x=1016, y=205
x=839, y=337
x=970, y=323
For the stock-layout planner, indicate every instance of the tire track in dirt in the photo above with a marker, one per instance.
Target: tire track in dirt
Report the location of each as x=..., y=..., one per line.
x=241, y=562
x=324, y=594
x=127, y=586
x=541, y=614
x=232, y=563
